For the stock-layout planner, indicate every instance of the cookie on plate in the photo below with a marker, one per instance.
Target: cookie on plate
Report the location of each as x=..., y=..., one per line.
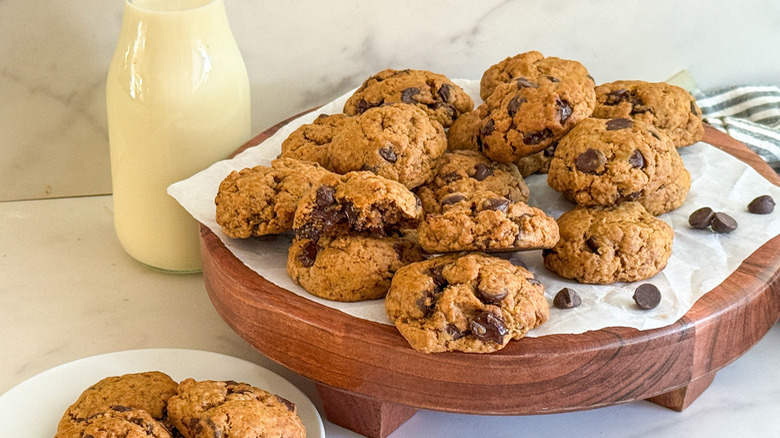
x=472, y=302
x=148, y=391
x=605, y=162
x=433, y=93
x=398, y=142
x=459, y=174
x=525, y=116
x=117, y=421
x=604, y=245
x=311, y=141
x=214, y=409
x=357, y=202
x=486, y=222
x=532, y=65
x=349, y=267
x=262, y=200
x=671, y=109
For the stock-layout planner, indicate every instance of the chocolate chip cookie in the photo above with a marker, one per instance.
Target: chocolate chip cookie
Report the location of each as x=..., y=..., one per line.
x=604, y=245
x=486, y=222
x=311, y=141
x=459, y=174
x=349, y=267
x=395, y=141
x=533, y=65
x=217, y=409
x=360, y=202
x=604, y=162
x=525, y=116
x=433, y=93
x=538, y=162
x=117, y=421
x=262, y=200
x=669, y=108
x=464, y=132
x=465, y=302
x=147, y=392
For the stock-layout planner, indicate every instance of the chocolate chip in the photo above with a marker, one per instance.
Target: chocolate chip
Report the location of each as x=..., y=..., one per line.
x=655, y=134
x=621, y=123
x=406, y=95
x=388, y=154
x=364, y=105
x=351, y=213
x=488, y=326
x=499, y=204
x=514, y=105
x=532, y=138
x=633, y=196
x=590, y=161
x=517, y=261
x=324, y=196
x=525, y=83
x=639, y=107
x=723, y=223
x=534, y=281
x=287, y=403
x=444, y=92
x=491, y=296
x=454, y=331
x=564, y=110
x=693, y=108
x=764, y=204
x=452, y=198
x=308, y=254
x=488, y=127
x=482, y=171
x=120, y=408
x=701, y=218
x=450, y=177
x=592, y=244
x=636, y=160
x=567, y=299
x=647, y=296
x=438, y=277
x=216, y=431
x=426, y=302
x=615, y=97
x=549, y=151
x=553, y=79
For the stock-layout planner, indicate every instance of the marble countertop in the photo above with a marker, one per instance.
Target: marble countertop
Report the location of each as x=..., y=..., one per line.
x=68, y=290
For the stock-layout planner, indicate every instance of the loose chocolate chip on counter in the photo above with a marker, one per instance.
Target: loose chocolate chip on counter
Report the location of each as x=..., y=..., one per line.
x=407, y=95
x=647, y=296
x=590, y=161
x=444, y=92
x=564, y=110
x=532, y=138
x=308, y=254
x=514, y=105
x=499, y=204
x=324, y=196
x=636, y=160
x=567, y=299
x=621, y=123
x=764, y=204
x=488, y=127
x=482, y=171
x=701, y=218
x=452, y=198
x=723, y=223
x=388, y=154
x=525, y=83
x=488, y=326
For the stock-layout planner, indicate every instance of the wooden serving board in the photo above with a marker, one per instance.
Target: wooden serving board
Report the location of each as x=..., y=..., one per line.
x=371, y=381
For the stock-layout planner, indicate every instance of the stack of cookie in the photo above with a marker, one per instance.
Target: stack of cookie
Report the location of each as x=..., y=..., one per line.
x=152, y=404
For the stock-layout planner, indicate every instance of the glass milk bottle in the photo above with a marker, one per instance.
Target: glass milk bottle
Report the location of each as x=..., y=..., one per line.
x=177, y=100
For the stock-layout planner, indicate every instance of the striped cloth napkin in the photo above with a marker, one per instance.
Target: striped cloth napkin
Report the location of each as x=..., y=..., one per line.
x=748, y=113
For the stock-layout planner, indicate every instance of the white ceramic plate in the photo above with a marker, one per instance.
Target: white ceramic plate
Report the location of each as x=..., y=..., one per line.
x=34, y=407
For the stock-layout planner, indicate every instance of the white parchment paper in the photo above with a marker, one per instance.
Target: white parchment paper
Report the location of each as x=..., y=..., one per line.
x=700, y=259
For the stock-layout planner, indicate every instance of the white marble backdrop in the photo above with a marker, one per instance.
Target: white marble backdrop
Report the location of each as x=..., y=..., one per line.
x=54, y=56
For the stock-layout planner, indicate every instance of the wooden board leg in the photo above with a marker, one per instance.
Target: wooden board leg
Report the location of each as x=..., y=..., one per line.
x=681, y=398
x=372, y=418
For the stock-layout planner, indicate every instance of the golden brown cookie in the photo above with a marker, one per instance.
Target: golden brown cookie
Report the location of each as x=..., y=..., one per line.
x=216, y=409
x=532, y=65
x=116, y=422
x=311, y=141
x=486, y=222
x=605, y=162
x=262, y=200
x=538, y=162
x=398, y=142
x=465, y=302
x=671, y=109
x=464, y=132
x=460, y=174
x=604, y=245
x=433, y=93
x=147, y=392
x=349, y=267
x=357, y=202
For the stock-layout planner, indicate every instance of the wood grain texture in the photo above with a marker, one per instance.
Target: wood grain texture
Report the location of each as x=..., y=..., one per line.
x=670, y=365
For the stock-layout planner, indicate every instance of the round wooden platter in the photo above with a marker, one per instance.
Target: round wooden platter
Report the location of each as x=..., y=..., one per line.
x=371, y=381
